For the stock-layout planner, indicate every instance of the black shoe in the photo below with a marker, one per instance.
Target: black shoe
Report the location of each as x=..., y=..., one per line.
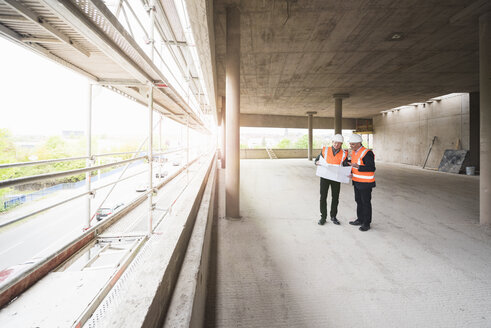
x=365, y=228
x=356, y=222
x=321, y=222
x=335, y=221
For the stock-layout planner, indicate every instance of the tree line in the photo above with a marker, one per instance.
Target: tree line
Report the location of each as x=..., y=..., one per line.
x=52, y=147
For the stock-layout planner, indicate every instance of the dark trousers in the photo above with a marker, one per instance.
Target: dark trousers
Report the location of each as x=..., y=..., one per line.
x=335, y=187
x=363, y=198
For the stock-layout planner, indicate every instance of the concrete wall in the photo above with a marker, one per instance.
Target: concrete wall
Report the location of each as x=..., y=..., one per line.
x=404, y=136
x=280, y=153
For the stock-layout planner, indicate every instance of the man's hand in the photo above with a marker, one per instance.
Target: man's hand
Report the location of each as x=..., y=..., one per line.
x=316, y=163
x=355, y=165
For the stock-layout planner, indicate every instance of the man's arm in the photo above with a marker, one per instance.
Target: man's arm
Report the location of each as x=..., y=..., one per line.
x=346, y=161
x=369, y=163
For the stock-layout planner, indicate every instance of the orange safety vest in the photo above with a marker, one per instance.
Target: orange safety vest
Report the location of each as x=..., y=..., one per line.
x=358, y=176
x=328, y=155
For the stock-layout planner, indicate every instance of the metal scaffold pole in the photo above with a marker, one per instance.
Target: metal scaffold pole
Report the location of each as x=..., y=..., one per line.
x=187, y=141
x=152, y=27
x=150, y=154
x=89, y=155
x=160, y=133
x=160, y=147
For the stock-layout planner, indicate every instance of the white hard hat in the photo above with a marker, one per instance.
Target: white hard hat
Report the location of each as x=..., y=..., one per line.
x=338, y=138
x=355, y=138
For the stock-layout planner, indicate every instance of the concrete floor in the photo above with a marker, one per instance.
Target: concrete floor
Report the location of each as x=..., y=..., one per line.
x=425, y=263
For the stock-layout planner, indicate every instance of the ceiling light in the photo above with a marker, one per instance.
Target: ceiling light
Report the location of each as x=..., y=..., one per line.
x=396, y=36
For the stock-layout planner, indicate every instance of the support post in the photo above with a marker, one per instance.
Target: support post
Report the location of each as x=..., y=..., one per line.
x=338, y=112
x=224, y=132
x=187, y=142
x=485, y=110
x=150, y=159
x=474, y=129
x=232, y=88
x=152, y=28
x=310, y=126
x=160, y=134
x=89, y=155
x=161, y=158
x=150, y=123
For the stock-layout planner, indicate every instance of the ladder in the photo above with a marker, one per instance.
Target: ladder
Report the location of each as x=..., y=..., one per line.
x=271, y=153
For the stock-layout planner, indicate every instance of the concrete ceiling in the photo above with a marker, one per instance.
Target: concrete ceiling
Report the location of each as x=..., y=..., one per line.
x=335, y=46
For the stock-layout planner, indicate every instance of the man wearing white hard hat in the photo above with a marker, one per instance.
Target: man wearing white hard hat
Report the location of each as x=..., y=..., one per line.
x=334, y=155
x=363, y=177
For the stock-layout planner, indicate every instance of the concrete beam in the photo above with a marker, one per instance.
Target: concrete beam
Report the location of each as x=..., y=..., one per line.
x=292, y=122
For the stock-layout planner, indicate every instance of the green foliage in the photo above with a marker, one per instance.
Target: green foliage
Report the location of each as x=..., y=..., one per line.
x=302, y=143
x=243, y=146
x=7, y=153
x=285, y=143
x=317, y=144
x=7, y=146
x=53, y=148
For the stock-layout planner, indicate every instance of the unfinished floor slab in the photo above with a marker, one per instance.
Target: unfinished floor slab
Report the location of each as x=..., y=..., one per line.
x=425, y=263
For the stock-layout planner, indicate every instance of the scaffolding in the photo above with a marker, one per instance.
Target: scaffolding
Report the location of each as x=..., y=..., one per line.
x=122, y=48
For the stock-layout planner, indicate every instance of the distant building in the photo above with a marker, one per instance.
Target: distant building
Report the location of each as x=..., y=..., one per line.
x=27, y=145
x=72, y=134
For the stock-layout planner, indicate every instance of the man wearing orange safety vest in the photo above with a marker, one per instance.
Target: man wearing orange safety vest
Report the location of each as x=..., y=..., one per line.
x=363, y=177
x=334, y=155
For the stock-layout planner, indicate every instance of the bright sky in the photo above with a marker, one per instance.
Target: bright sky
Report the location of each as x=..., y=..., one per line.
x=43, y=97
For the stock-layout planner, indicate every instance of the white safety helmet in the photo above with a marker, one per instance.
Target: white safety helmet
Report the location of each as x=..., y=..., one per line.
x=355, y=138
x=338, y=138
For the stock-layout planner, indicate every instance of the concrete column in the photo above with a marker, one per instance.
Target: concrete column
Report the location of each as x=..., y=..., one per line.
x=310, y=126
x=474, y=129
x=224, y=132
x=232, y=92
x=338, y=112
x=485, y=110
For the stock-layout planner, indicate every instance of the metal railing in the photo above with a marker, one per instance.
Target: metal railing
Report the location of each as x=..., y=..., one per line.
x=47, y=161
x=35, y=178
x=68, y=159
x=47, y=176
